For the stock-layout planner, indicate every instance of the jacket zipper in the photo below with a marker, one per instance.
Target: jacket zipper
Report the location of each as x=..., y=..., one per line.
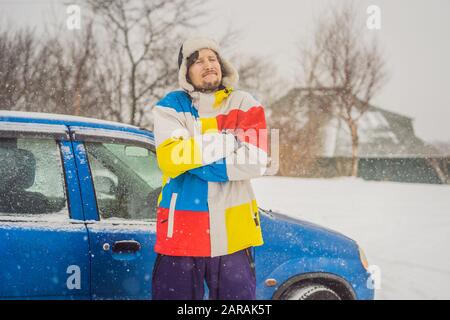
x=254, y=215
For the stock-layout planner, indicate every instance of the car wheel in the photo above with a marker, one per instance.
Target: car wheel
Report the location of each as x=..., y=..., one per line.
x=310, y=291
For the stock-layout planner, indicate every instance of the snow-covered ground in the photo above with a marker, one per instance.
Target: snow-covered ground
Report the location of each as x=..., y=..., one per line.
x=404, y=229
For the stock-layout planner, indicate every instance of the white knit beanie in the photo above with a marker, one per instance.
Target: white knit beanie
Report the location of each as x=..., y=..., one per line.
x=230, y=75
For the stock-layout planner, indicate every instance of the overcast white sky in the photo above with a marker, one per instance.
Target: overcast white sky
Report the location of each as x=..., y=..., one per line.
x=415, y=35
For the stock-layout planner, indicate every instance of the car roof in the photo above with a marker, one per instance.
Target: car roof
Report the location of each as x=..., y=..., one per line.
x=68, y=120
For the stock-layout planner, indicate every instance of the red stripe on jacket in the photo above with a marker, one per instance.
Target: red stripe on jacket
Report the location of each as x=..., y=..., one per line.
x=249, y=123
x=190, y=233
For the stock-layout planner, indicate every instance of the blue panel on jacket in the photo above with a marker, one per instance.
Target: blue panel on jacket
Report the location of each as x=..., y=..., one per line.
x=214, y=172
x=194, y=200
x=180, y=101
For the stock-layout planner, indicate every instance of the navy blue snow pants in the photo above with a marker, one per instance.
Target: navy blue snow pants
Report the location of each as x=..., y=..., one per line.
x=229, y=277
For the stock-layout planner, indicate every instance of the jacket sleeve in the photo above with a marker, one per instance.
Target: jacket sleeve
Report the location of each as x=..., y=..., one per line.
x=249, y=160
x=178, y=151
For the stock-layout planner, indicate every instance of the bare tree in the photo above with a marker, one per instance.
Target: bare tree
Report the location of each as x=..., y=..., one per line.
x=259, y=76
x=140, y=51
x=342, y=64
x=299, y=120
x=70, y=74
x=47, y=73
x=16, y=50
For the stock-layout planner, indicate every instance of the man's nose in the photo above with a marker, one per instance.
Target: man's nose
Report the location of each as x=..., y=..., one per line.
x=208, y=64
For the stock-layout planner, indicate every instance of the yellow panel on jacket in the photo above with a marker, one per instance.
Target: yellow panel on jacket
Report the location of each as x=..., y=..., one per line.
x=243, y=226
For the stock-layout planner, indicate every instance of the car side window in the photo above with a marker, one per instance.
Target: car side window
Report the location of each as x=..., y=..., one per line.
x=31, y=178
x=127, y=180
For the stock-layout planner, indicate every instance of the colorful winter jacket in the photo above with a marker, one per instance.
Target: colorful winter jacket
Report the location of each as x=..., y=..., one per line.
x=208, y=148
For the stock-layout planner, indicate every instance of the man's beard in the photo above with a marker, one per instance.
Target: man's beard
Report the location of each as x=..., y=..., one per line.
x=209, y=86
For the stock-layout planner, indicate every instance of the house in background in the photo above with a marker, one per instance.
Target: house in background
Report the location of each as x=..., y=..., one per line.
x=388, y=147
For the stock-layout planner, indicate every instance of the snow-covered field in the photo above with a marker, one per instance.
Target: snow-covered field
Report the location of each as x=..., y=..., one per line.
x=403, y=228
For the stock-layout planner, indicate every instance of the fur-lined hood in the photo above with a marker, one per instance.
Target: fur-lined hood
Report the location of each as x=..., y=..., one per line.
x=230, y=75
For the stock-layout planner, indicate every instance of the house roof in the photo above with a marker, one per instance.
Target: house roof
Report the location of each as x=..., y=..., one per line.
x=382, y=133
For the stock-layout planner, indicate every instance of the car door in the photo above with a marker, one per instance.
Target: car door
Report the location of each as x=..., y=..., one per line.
x=120, y=183
x=43, y=240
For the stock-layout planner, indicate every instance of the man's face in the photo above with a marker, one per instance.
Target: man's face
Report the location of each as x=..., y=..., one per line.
x=205, y=73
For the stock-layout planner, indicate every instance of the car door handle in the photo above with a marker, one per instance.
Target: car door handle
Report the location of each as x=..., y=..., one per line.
x=126, y=246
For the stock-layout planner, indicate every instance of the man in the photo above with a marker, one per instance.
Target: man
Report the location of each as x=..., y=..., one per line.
x=210, y=141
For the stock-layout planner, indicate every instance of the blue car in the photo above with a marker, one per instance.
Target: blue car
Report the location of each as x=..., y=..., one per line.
x=77, y=220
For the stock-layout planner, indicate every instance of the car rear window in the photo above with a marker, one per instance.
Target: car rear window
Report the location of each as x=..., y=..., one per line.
x=31, y=179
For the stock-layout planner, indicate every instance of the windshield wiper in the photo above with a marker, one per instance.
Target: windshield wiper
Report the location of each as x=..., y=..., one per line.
x=269, y=212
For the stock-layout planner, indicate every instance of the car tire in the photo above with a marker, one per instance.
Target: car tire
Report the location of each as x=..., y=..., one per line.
x=310, y=291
